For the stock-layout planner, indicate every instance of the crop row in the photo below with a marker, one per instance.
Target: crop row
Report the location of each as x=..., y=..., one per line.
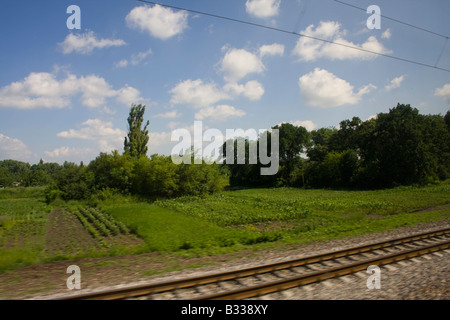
x=93, y=231
x=103, y=224
x=116, y=227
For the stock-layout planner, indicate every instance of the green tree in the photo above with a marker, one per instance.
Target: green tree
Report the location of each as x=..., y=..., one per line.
x=403, y=147
x=136, y=143
x=75, y=182
x=18, y=170
x=293, y=141
x=436, y=148
x=447, y=120
x=155, y=177
x=6, y=178
x=36, y=177
x=112, y=171
x=321, y=143
x=244, y=174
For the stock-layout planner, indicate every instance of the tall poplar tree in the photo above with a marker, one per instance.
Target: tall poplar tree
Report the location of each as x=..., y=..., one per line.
x=136, y=142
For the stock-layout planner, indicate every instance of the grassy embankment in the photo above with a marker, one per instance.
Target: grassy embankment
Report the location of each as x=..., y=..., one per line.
x=32, y=232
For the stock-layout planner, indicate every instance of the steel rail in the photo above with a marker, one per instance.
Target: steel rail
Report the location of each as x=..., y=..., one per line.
x=317, y=276
x=158, y=287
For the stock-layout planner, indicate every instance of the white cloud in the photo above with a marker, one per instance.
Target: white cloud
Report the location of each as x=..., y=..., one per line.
x=65, y=153
x=101, y=132
x=129, y=95
x=158, y=139
x=253, y=90
x=443, y=92
x=323, y=89
x=308, y=49
x=238, y=63
x=307, y=124
x=395, y=83
x=38, y=90
x=94, y=90
x=262, y=8
x=44, y=90
x=94, y=129
x=122, y=63
x=219, y=113
x=386, y=34
x=14, y=149
x=196, y=93
x=168, y=115
x=235, y=65
x=135, y=59
x=159, y=22
x=271, y=49
x=139, y=57
x=85, y=43
x=172, y=125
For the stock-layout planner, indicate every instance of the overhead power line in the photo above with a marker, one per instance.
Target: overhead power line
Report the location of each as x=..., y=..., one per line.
x=406, y=24
x=294, y=33
x=392, y=19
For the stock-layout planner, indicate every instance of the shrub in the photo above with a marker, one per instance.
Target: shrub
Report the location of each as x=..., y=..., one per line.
x=51, y=193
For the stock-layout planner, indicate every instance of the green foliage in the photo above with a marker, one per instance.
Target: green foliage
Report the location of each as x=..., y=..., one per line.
x=51, y=193
x=99, y=223
x=6, y=178
x=169, y=230
x=201, y=225
x=112, y=171
x=75, y=182
x=89, y=227
x=28, y=175
x=401, y=147
x=292, y=142
x=31, y=232
x=155, y=177
x=36, y=177
x=281, y=215
x=201, y=179
x=336, y=170
x=136, y=143
x=165, y=230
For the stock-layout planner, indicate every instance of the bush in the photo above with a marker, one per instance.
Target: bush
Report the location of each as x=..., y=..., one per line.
x=109, y=176
x=51, y=193
x=75, y=182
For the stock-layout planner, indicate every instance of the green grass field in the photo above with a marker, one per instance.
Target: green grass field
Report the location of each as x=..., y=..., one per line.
x=32, y=232
x=235, y=220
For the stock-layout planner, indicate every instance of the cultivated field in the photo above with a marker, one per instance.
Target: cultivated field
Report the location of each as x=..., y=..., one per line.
x=32, y=232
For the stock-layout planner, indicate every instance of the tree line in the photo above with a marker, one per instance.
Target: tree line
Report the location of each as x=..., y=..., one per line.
x=401, y=147
x=133, y=172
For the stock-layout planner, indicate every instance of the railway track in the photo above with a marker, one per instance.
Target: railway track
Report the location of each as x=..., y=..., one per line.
x=265, y=279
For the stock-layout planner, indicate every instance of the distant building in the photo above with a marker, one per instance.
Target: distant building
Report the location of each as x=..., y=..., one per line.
x=16, y=184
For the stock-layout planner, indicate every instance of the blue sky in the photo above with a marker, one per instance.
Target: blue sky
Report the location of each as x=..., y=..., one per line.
x=65, y=94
